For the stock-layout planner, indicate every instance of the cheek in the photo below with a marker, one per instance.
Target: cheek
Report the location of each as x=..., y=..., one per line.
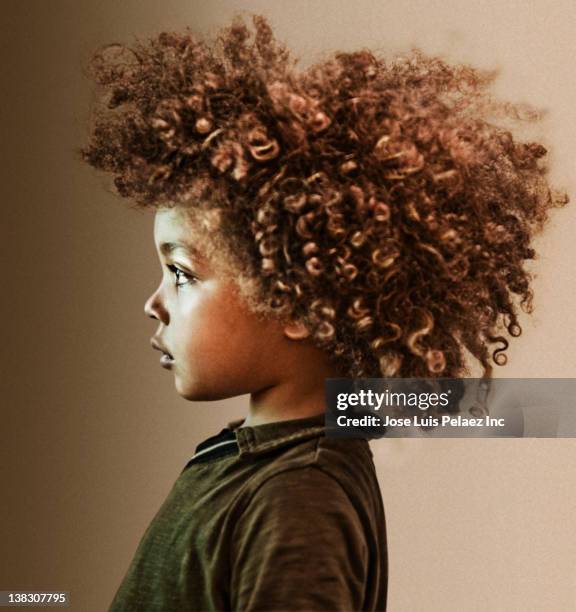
x=230, y=339
x=212, y=328
x=216, y=330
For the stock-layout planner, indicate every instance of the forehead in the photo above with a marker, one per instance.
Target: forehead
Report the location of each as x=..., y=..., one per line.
x=172, y=223
x=174, y=230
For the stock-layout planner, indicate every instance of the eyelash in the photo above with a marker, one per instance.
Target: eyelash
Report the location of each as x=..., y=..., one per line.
x=176, y=271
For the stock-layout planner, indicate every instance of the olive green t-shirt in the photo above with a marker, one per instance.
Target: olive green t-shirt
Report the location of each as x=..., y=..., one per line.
x=271, y=517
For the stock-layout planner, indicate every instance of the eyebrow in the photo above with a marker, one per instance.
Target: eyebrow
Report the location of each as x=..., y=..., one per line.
x=168, y=247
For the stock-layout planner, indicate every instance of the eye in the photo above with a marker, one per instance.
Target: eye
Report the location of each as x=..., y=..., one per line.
x=181, y=275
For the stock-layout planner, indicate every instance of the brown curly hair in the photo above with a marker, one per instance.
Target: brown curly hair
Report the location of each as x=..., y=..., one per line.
x=378, y=201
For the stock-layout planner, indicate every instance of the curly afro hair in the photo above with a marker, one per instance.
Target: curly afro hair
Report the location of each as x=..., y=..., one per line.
x=378, y=201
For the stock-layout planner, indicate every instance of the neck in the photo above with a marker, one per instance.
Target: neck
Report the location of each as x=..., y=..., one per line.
x=300, y=393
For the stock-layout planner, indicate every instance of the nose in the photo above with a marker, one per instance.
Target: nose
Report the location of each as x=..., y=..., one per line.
x=154, y=308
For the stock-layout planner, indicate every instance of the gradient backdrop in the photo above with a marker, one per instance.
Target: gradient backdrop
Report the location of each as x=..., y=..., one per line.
x=93, y=433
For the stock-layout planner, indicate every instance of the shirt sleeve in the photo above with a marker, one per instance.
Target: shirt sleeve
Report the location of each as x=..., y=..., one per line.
x=299, y=545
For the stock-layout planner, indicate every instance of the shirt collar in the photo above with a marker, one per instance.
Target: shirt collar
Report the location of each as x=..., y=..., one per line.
x=258, y=439
x=250, y=441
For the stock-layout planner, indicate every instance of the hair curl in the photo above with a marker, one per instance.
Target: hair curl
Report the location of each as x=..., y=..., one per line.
x=376, y=200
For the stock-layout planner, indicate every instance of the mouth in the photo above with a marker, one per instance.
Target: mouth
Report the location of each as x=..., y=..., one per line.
x=166, y=360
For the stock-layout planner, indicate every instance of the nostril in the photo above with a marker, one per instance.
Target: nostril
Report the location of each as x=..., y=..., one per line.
x=151, y=306
x=152, y=311
x=154, y=308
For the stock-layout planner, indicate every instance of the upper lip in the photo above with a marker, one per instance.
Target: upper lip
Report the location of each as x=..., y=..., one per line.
x=159, y=347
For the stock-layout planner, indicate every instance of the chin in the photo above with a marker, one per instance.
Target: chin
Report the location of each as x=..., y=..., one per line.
x=195, y=392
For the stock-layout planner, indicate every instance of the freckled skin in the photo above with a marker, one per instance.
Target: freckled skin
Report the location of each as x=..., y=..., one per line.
x=220, y=348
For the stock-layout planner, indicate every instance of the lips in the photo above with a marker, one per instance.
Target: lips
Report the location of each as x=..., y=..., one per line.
x=166, y=360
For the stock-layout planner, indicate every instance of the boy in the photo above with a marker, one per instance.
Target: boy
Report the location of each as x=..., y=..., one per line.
x=357, y=219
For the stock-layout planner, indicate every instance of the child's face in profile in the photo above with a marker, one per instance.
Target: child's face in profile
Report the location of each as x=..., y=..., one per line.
x=218, y=347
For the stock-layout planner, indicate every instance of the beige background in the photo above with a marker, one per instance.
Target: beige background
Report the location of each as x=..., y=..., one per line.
x=93, y=433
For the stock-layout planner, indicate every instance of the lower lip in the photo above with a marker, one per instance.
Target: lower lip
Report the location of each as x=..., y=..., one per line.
x=166, y=361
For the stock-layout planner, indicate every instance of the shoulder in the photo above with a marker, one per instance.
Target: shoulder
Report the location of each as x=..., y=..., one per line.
x=312, y=516
x=333, y=456
x=297, y=484
x=306, y=474
x=299, y=529
x=346, y=463
x=297, y=506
